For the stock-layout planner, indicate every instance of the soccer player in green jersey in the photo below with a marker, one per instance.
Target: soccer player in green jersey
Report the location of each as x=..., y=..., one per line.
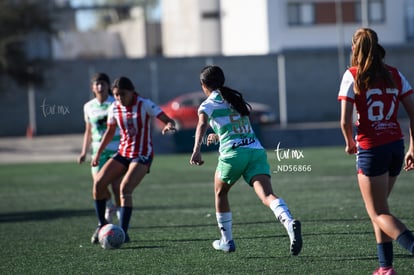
x=241, y=154
x=96, y=113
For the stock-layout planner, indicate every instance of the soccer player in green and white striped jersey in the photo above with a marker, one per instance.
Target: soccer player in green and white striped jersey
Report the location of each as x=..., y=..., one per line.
x=95, y=114
x=241, y=154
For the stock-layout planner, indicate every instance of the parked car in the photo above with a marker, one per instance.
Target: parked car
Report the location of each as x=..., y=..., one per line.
x=183, y=109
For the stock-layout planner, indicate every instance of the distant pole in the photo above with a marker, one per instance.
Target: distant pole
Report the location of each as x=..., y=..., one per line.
x=209, y=61
x=282, y=90
x=364, y=13
x=91, y=72
x=31, y=128
x=340, y=28
x=154, y=81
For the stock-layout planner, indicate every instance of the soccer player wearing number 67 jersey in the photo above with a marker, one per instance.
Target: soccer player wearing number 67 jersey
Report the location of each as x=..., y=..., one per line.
x=241, y=154
x=376, y=89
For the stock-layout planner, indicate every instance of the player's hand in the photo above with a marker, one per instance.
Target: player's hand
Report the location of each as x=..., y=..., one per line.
x=212, y=139
x=81, y=159
x=168, y=128
x=95, y=161
x=409, y=161
x=351, y=148
x=196, y=159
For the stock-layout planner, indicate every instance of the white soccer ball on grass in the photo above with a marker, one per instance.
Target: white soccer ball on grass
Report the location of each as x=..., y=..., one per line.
x=111, y=236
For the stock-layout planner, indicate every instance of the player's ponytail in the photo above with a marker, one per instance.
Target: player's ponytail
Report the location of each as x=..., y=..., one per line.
x=236, y=100
x=367, y=56
x=213, y=77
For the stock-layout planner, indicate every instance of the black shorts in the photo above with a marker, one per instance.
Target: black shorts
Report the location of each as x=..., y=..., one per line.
x=126, y=161
x=381, y=159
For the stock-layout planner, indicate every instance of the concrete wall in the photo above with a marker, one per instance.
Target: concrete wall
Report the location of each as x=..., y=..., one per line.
x=312, y=77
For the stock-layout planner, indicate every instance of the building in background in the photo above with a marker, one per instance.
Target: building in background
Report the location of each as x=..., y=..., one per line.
x=245, y=27
x=409, y=19
x=191, y=27
x=265, y=47
x=184, y=28
x=105, y=31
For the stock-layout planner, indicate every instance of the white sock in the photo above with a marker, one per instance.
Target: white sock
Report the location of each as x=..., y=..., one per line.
x=118, y=213
x=224, y=221
x=281, y=211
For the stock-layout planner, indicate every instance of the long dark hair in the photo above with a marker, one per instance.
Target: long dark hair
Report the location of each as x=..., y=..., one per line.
x=367, y=56
x=213, y=78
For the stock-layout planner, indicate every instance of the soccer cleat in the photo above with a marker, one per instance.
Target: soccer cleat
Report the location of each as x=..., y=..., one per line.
x=295, y=236
x=127, y=239
x=110, y=212
x=384, y=271
x=95, y=236
x=223, y=246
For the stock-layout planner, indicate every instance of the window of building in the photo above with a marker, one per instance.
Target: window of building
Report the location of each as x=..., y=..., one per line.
x=301, y=14
x=324, y=12
x=409, y=19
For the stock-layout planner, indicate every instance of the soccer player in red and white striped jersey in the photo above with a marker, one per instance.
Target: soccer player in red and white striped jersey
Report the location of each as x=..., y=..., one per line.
x=132, y=113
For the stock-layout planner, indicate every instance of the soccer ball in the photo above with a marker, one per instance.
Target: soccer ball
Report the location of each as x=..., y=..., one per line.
x=111, y=236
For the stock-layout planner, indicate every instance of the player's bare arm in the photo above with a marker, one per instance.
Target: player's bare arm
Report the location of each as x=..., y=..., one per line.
x=347, y=127
x=408, y=103
x=87, y=139
x=201, y=130
x=169, y=123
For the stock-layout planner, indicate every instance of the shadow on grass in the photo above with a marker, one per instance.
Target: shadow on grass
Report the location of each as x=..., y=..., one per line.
x=144, y=247
x=270, y=222
x=318, y=258
x=336, y=258
x=43, y=215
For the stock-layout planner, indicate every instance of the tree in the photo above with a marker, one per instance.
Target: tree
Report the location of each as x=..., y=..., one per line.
x=21, y=20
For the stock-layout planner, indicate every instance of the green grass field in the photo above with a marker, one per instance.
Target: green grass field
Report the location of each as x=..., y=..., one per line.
x=47, y=218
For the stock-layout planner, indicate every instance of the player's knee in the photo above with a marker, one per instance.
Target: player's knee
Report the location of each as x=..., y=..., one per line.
x=98, y=194
x=99, y=188
x=221, y=192
x=125, y=191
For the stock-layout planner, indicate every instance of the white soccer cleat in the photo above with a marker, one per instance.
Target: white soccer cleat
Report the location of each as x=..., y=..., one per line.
x=95, y=236
x=295, y=236
x=110, y=212
x=224, y=246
